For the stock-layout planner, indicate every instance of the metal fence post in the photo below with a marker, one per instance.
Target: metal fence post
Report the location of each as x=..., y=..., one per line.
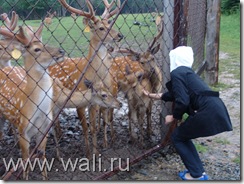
x=168, y=37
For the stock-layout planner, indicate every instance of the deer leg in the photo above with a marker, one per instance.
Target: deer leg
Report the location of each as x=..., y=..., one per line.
x=149, y=121
x=110, y=116
x=41, y=151
x=55, y=136
x=131, y=116
x=93, y=111
x=2, y=121
x=105, y=122
x=99, y=120
x=140, y=117
x=24, y=143
x=82, y=117
x=57, y=133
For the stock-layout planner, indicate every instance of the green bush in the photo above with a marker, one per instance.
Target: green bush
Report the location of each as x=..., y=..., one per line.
x=230, y=6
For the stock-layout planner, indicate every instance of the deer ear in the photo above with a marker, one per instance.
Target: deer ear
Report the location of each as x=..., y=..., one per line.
x=155, y=49
x=88, y=22
x=127, y=70
x=134, y=57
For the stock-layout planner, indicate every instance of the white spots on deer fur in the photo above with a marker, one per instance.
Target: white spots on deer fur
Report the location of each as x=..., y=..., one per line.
x=66, y=66
x=61, y=78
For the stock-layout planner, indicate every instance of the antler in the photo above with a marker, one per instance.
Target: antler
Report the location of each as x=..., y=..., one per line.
x=91, y=14
x=11, y=25
x=155, y=39
x=21, y=37
x=108, y=6
x=6, y=33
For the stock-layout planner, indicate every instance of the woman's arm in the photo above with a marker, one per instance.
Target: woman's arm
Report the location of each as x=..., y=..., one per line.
x=156, y=96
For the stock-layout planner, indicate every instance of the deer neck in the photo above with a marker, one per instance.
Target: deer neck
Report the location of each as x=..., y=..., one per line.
x=78, y=98
x=102, y=60
x=38, y=79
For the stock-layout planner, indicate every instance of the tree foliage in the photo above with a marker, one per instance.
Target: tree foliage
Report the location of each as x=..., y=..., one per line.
x=37, y=9
x=230, y=6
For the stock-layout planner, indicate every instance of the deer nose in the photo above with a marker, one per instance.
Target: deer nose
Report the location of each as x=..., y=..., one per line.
x=120, y=105
x=120, y=36
x=61, y=51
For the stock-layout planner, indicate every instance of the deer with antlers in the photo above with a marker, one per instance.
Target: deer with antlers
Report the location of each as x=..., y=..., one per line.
x=35, y=101
x=144, y=63
x=69, y=71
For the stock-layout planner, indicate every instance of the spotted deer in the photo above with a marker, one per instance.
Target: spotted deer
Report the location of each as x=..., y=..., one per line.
x=6, y=46
x=69, y=71
x=144, y=63
x=35, y=102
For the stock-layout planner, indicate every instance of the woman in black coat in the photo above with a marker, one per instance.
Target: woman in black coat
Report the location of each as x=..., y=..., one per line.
x=207, y=113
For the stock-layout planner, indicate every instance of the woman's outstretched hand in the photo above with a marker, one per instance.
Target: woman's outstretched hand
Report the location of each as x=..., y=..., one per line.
x=169, y=119
x=145, y=92
x=156, y=96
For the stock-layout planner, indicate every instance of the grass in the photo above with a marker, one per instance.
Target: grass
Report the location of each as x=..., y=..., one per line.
x=200, y=148
x=230, y=44
x=69, y=33
x=230, y=34
x=222, y=141
x=237, y=160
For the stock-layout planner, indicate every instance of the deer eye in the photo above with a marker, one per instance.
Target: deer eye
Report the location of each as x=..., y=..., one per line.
x=37, y=50
x=101, y=28
x=109, y=21
x=104, y=95
x=1, y=48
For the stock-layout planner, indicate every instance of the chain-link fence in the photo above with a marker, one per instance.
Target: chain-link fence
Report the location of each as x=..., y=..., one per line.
x=92, y=97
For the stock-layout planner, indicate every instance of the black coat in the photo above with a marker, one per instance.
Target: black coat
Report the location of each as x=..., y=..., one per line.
x=207, y=112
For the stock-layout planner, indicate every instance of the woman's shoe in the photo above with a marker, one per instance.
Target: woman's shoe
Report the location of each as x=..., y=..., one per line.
x=182, y=175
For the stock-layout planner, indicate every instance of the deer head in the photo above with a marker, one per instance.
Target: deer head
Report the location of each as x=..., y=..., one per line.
x=99, y=27
x=145, y=58
x=34, y=49
x=101, y=96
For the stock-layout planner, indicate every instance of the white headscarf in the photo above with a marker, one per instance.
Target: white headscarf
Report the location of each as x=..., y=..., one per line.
x=181, y=56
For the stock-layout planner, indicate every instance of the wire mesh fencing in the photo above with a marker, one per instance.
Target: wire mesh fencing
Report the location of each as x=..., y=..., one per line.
x=71, y=84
